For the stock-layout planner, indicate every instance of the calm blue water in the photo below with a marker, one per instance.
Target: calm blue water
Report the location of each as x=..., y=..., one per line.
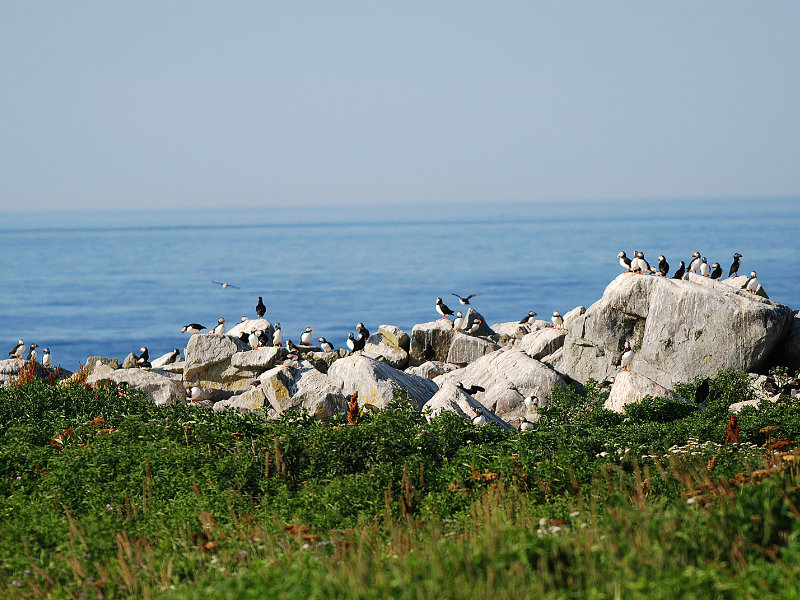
x=109, y=283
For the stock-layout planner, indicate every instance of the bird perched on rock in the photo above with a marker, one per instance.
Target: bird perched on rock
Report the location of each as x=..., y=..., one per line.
x=681, y=270
x=558, y=320
x=663, y=266
x=32, y=351
x=290, y=346
x=626, y=359
x=363, y=331
x=220, y=328
x=244, y=337
x=143, y=360
x=47, y=358
x=430, y=352
x=458, y=321
x=261, y=309
x=702, y=391
x=606, y=383
x=173, y=357
x=352, y=409
x=475, y=327
x=471, y=390
x=479, y=418
x=292, y=360
x=734, y=271
x=464, y=300
x=18, y=350
x=355, y=343
x=528, y=320
x=325, y=345
x=716, y=271
x=752, y=283
x=277, y=337
x=644, y=266
x=705, y=270
x=192, y=328
x=252, y=338
x=624, y=261
x=694, y=264
x=351, y=342
x=524, y=424
x=531, y=402
x=442, y=309
x=225, y=284
x=305, y=337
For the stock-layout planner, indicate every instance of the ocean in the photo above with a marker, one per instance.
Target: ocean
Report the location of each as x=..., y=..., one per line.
x=107, y=283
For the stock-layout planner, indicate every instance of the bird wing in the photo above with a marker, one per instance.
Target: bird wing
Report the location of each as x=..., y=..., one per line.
x=472, y=296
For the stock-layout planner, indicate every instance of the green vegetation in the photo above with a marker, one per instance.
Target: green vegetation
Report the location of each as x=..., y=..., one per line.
x=103, y=495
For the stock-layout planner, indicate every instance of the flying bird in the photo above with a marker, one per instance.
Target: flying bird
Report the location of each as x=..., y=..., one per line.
x=225, y=284
x=464, y=300
x=192, y=328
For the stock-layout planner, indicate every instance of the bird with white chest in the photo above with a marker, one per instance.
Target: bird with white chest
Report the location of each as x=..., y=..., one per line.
x=442, y=309
x=47, y=358
x=695, y=263
x=305, y=337
x=18, y=350
x=32, y=352
x=705, y=269
x=458, y=322
x=558, y=320
x=220, y=328
x=752, y=283
x=277, y=337
x=627, y=357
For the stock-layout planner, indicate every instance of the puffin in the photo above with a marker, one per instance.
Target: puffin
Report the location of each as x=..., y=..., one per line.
x=16, y=351
x=261, y=310
x=734, y=272
x=606, y=383
x=752, y=283
x=46, y=357
x=681, y=270
x=458, y=321
x=192, y=328
x=479, y=418
x=524, y=424
x=220, y=328
x=173, y=357
x=627, y=357
x=263, y=338
x=252, y=338
x=325, y=345
x=635, y=262
x=694, y=264
x=351, y=342
x=359, y=343
x=464, y=300
x=624, y=261
x=291, y=361
x=429, y=353
x=557, y=319
x=442, y=309
x=475, y=327
x=530, y=318
x=225, y=284
x=471, y=390
x=143, y=360
x=644, y=266
x=194, y=393
x=305, y=337
x=363, y=331
x=702, y=392
x=663, y=266
x=245, y=318
x=704, y=268
x=32, y=351
x=716, y=271
x=277, y=337
x=244, y=337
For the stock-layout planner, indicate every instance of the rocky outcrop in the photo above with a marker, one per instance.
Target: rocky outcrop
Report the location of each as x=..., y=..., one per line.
x=387, y=346
x=10, y=368
x=543, y=342
x=439, y=334
x=261, y=359
x=431, y=369
x=470, y=319
x=631, y=387
x=452, y=399
x=251, y=325
x=465, y=349
x=377, y=382
x=208, y=365
x=787, y=352
x=395, y=336
x=160, y=389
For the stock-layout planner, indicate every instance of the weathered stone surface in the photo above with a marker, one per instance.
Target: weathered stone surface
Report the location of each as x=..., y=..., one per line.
x=161, y=361
x=631, y=387
x=573, y=314
x=787, y=352
x=208, y=365
x=469, y=320
x=160, y=389
x=465, y=349
x=508, y=376
x=508, y=333
x=249, y=401
x=261, y=359
x=111, y=362
x=740, y=282
x=431, y=369
x=376, y=382
x=379, y=347
x=130, y=361
x=250, y=326
x=439, y=333
x=543, y=342
x=9, y=370
x=395, y=336
x=450, y=398
x=679, y=329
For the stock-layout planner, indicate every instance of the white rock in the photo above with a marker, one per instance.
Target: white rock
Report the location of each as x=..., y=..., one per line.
x=262, y=359
x=160, y=390
x=542, y=342
x=431, y=369
x=631, y=387
x=450, y=398
x=440, y=335
x=381, y=348
x=465, y=349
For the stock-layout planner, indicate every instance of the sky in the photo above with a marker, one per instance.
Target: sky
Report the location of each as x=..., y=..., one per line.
x=149, y=105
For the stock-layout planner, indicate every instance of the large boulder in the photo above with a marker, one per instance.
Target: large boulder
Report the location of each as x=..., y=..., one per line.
x=11, y=367
x=395, y=336
x=787, y=352
x=161, y=362
x=542, y=342
x=679, y=329
x=631, y=387
x=260, y=359
x=208, y=365
x=383, y=347
x=453, y=399
x=431, y=369
x=251, y=325
x=377, y=382
x=465, y=349
x=508, y=376
x=160, y=389
x=438, y=333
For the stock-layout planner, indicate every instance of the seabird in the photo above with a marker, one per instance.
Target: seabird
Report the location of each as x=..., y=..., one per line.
x=220, y=328
x=173, y=357
x=192, y=328
x=681, y=270
x=475, y=327
x=704, y=268
x=624, y=261
x=663, y=266
x=305, y=337
x=734, y=272
x=479, y=418
x=277, y=337
x=429, y=353
x=464, y=300
x=261, y=310
x=644, y=266
x=244, y=337
x=16, y=351
x=702, y=391
x=557, y=319
x=291, y=361
x=351, y=342
x=252, y=338
x=716, y=271
x=627, y=357
x=524, y=424
x=225, y=284
x=606, y=383
x=529, y=319
x=442, y=309
x=143, y=360
x=359, y=343
x=694, y=264
x=458, y=321
x=752, y=283
x=771, y=386
x=363, y=331
x=471, y=390
x=32, y=352
x=325, y=345
x=46, y=357
x=635, y=262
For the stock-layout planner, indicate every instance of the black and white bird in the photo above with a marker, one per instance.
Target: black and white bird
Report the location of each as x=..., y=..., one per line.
x=47, y=358
x=471, y=390
x=225, y=284
x=252, y=338
x=694, y=264
x=192, y=328
x=363, y=331
x=663, y=266
x=557, y=319
x=464, y=300
x=681, y=271
x=479, y=418
x=624, y=261
x=277, y=337
x=716, y=271
x=644, y=266
x=32, y=351
x=360, y=342
x=18, y=350
x=143, y=360
x=290, y=346
x=292, y=360
x=626, y=359
x=734, y=272
x=220, y=328
x=458, y=322
x=261, y=309
x=529, y=319
x=442, y=309
x=524, y=424
x=474, y=328
x=325, y=345
x=305, y=337
x=606, y=383
x=171, y=359
x=531, y=404
x=752, y=283
x=705, y=270
x=430, y=352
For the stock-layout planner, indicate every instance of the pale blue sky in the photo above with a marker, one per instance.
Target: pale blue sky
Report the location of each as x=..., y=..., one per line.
x=187, y=104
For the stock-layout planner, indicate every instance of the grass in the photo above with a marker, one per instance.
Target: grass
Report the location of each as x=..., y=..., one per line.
x=104, y=495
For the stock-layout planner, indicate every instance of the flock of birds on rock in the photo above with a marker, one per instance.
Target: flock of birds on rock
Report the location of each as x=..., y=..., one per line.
x=18, y=350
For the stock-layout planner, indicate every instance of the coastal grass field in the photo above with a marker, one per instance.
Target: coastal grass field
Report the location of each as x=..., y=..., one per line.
x=104, y=495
